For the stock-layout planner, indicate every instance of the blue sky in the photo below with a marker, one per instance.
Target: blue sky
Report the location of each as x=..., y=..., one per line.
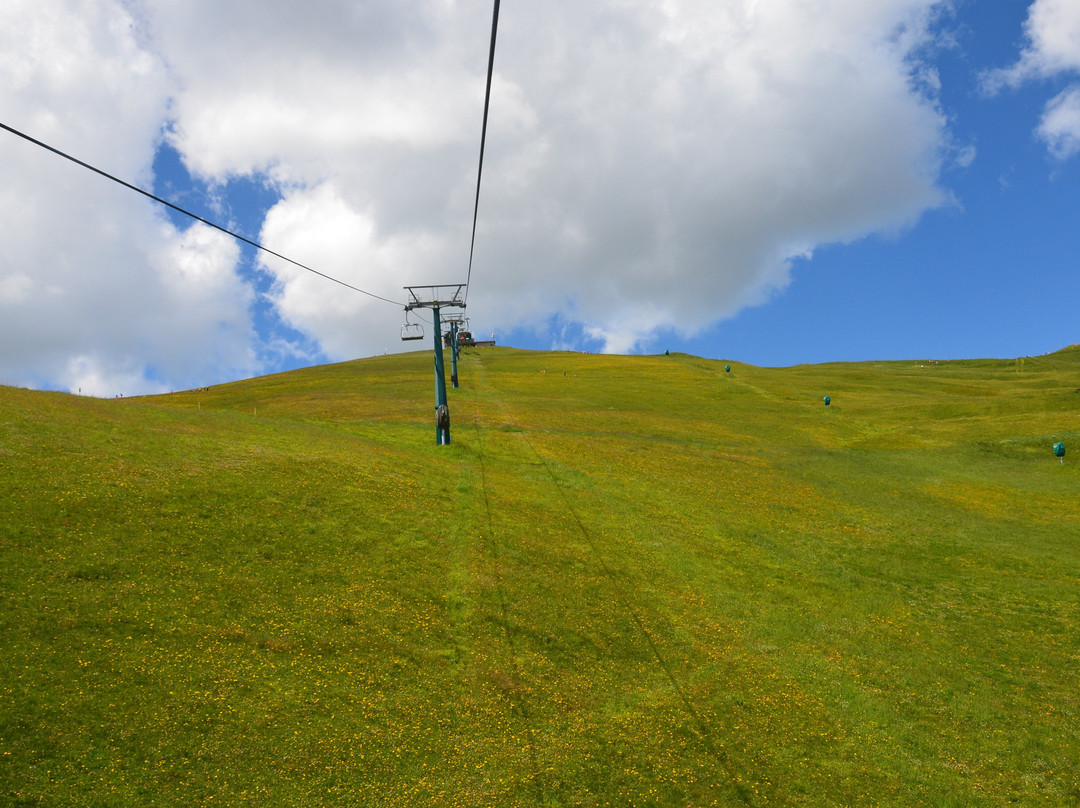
x=768, y=181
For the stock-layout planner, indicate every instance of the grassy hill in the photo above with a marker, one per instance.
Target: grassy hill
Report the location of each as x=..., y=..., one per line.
x=629, y=581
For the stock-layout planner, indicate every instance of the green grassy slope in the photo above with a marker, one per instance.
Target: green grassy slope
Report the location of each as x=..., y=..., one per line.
x=628, y=581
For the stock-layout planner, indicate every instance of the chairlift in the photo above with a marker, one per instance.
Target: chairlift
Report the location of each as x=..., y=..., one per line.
x=411, y=331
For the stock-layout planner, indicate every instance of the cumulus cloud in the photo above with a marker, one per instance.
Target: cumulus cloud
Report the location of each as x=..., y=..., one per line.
x=1052, y=33
x=98, y=291
x=650, y=166
x=1052, y=50
x=345, y=243
x=740, y=136
x=1060, y=126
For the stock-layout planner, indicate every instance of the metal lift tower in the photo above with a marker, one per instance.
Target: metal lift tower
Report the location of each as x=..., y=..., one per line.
x=455, y=321
x=437, y=298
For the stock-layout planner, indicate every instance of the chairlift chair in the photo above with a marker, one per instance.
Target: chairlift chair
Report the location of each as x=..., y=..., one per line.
x=411, y=331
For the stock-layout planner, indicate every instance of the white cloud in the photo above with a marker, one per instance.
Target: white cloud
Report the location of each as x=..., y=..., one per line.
x=97, y=290
x=737, y=139
x=201, y=319
x=319, y=228
x=650, y=165
x=1052, y=31
x=76, y=74
x=105, y=377
x=1060, y=126
x=965, y=156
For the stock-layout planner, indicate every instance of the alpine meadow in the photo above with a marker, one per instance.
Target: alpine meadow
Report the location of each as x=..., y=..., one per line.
x=628, y=581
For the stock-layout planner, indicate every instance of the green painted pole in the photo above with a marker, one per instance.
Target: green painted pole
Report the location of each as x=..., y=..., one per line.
x=453, y=354
x=442, y=411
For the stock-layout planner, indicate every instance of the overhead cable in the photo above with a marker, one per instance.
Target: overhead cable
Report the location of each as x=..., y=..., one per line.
x=483, y=141
x=208, y=223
